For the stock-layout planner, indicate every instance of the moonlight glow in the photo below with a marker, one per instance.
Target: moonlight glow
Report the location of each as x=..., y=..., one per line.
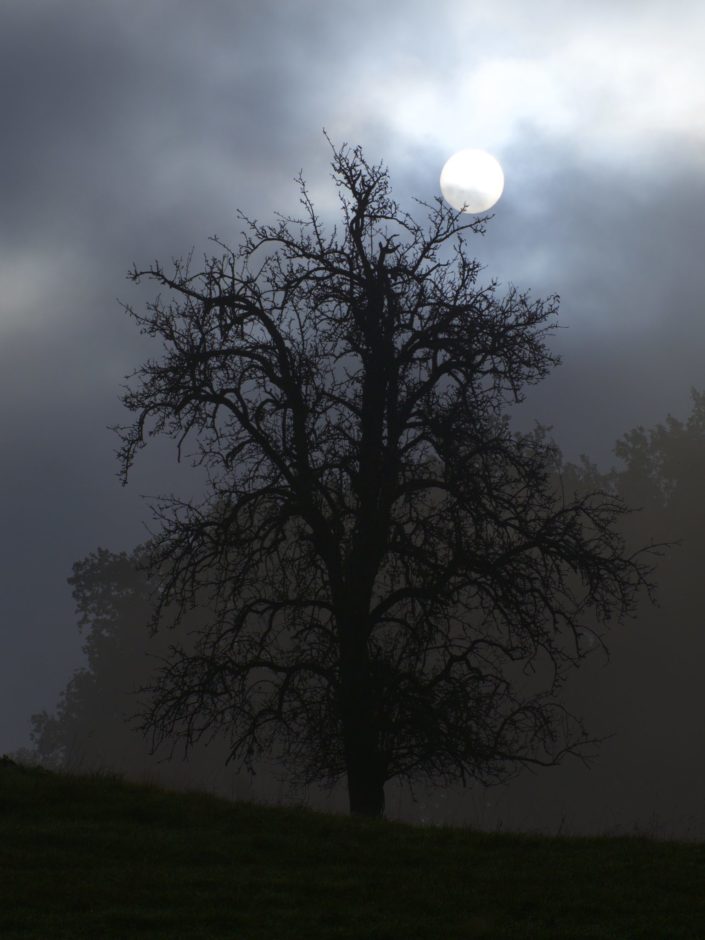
x=472, y=181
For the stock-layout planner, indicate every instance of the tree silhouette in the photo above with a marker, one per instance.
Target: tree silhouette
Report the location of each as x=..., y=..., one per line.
x=384, y=560
x=89, y=727
x=92, y=726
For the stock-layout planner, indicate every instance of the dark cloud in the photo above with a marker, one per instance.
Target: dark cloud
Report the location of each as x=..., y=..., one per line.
x=133, y=131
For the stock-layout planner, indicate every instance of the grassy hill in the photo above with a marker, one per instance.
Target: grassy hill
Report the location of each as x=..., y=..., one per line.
x=96, y=857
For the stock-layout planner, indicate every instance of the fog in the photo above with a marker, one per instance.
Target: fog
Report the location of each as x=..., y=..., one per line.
x=133, y=133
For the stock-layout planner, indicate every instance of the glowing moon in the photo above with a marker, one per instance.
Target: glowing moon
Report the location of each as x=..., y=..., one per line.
x=472, y=181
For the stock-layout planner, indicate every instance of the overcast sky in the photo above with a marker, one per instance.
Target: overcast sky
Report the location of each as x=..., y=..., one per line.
x=133, y=130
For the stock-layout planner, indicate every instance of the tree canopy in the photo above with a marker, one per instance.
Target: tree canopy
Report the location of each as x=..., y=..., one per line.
x=384, y=561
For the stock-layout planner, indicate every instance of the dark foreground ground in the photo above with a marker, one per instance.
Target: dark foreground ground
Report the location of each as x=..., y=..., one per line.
x=96, y=857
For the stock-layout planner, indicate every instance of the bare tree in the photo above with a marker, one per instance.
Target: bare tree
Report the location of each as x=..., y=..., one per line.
x=383, y=558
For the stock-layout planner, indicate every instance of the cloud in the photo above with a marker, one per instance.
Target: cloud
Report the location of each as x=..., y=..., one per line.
x=612, y=89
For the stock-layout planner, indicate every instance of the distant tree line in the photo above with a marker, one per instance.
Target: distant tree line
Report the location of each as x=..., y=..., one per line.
x=661, y=473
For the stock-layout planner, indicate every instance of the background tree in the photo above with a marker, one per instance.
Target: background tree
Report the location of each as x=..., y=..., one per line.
x=92, y=726
x=89, y=727
x=648, y=695
x=382, y=557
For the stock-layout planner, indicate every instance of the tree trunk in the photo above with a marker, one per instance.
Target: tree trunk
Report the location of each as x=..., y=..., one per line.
x=364, y=765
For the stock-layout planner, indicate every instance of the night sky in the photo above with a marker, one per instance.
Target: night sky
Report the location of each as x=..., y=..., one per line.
x=133, y=131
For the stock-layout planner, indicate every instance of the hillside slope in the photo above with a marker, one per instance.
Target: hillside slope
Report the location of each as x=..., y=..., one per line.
x=96, y=857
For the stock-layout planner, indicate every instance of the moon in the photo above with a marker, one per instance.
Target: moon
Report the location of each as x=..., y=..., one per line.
x=472, y=181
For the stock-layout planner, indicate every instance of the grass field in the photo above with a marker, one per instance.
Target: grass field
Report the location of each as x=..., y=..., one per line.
x=96, y=857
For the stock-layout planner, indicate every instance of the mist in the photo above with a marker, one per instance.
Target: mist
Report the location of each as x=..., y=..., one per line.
x=134, y=134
